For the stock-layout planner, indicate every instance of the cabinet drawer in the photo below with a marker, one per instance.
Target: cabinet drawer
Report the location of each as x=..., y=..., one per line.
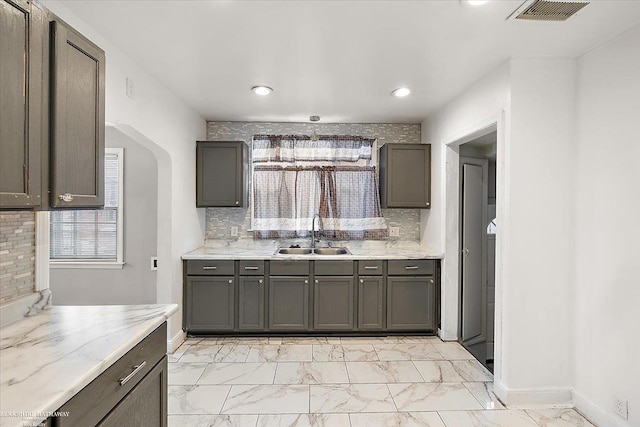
x=97, y=399
x=370, y=268
x=252, y=268
x=289, y=268
x=334, y=268
x=415, y=267
x=210, y=268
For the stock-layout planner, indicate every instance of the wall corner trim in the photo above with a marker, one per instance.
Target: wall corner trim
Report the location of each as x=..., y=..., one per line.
x=557, y=397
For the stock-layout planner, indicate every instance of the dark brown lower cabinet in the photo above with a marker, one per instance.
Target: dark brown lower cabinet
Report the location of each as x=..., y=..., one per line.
x=211, y=303
x=371, y=303
x=251, y=303
x=288, y=303
x=333, y=303
x=411, y=303
x=131, y=392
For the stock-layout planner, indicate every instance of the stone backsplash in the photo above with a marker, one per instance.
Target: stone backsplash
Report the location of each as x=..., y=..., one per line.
x=17, y=254
x=220, y=220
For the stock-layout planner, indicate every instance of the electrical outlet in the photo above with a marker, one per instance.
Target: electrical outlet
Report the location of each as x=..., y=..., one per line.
x=234, y=231
x=154, y=263
x=394, y=231
x=621, y=408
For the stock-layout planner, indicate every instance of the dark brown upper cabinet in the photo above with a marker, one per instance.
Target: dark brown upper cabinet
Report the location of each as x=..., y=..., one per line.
x=405, y=176
x=221, y=174
x=77, y=119
x=52, y=90
x=23, y=31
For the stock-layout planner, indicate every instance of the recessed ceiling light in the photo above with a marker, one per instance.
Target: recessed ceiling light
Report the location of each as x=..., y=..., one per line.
x=401, y=92
x=474, y=2
x=262, y=90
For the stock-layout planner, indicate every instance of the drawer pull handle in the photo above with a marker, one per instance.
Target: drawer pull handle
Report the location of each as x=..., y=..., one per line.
x=368, y=267
x=66, y=197
x=251, y=268
x=136, y=369
x=207, y=267
x=412, y=267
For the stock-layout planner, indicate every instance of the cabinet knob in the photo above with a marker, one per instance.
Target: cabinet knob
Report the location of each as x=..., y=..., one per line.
x=430, y=281
x=66, y=197
x=427, y=203
x=237, y=202
x=306, y=281
x=260, y=281
x=361, y=280
x=230, y=281
x=316, y=280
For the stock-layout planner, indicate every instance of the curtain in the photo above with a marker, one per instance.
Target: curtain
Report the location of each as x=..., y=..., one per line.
x=287, y=194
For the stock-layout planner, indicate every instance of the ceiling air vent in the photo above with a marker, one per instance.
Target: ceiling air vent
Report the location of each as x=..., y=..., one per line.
x=548, y=10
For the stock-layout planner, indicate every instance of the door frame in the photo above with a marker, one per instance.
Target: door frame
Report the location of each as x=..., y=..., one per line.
x=450, y=269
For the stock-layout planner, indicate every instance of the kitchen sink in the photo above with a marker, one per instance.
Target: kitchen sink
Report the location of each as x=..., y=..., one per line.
x=331, y=251
x=311, y=251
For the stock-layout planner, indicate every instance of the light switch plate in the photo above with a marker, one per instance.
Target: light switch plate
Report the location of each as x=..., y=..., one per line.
x=154, y=263
x=234, y=231
x=394, y=231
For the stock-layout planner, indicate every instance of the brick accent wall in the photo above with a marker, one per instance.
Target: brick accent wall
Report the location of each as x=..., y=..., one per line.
x=220, y=220
x=17, y=254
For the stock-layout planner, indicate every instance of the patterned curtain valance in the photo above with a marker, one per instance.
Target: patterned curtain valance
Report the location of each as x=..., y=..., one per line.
x=302, y=148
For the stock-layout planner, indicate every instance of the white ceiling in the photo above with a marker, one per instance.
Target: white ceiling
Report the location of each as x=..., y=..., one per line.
x=336, y=59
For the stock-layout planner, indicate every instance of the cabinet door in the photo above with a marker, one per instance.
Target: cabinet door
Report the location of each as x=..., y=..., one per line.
x=410, y=303
x=288, y=303
x=145, y=405
x=210, y=303
x=22, y=39
x=370, y=303
x=405, y=176
x=220, y=174
x=251, y=303
x=333, y=303
x=77, y=120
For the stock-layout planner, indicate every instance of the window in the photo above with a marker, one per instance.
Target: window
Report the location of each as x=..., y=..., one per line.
x=92, y=238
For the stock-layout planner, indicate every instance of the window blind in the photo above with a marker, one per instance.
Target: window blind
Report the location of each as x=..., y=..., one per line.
x=89, y=234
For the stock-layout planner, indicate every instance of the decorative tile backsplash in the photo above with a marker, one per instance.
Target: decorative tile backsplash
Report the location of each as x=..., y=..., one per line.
x=220, y=220
x=17, y=254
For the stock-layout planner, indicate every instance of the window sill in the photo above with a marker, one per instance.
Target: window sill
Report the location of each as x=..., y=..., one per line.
x=97, y=265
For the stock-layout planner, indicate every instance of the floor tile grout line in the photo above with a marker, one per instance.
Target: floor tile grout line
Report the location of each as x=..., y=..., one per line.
x=225, y=401
x=395, y=405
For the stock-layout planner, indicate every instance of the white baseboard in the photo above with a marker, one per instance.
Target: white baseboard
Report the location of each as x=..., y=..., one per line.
x=595, y=414
x=174, y=343
x=532, y=398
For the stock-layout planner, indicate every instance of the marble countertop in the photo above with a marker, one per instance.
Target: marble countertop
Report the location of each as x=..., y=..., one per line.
x=48, y=358
x=265, y=249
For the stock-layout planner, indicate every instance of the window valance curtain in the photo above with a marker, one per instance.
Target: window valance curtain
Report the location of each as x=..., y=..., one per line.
x=302, y=148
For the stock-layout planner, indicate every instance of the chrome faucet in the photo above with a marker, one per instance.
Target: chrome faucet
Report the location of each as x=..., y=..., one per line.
x=313, y=230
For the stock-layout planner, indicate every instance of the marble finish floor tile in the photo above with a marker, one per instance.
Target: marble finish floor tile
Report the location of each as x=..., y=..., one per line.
x=238, y=373
x=452, y=351
x=407, y=351
x=506, y=418
x=483, y=392
x=185, y=373
x=304, y=420
x=280, y=353
x=176, y=355
x=364, y=340
x=216, y=353
x=213, y=420
x=243, y=340
x=195, y=399
x=267, y=399
x=433, y=397
x=311, y=373
x=472, y=370
x=359, y=353
x=311, y=340
x=339, y=398
x=328, y=353
x=383, y=372
x=397, y=419
x=437, y=371
x=558, y=418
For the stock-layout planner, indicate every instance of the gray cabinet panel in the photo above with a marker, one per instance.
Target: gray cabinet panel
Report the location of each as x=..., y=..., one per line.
x=252, y=268
x=221, y=174
x=210, y=303
x=370, y=268
x=405, y=176
x=333, y=268
x=371, y=303
x=77, y=120
x=413, y=267
x=210, y=268
x=23, y=31
x=251, y=303
x=289, y=268
x=410, y=303
x=333, y=303
x=288, y=303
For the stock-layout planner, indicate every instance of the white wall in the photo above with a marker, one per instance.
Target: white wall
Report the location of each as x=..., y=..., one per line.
x=165, y=125
x=607, y=231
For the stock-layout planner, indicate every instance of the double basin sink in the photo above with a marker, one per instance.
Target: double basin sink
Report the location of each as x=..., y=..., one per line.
x=312, y=251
